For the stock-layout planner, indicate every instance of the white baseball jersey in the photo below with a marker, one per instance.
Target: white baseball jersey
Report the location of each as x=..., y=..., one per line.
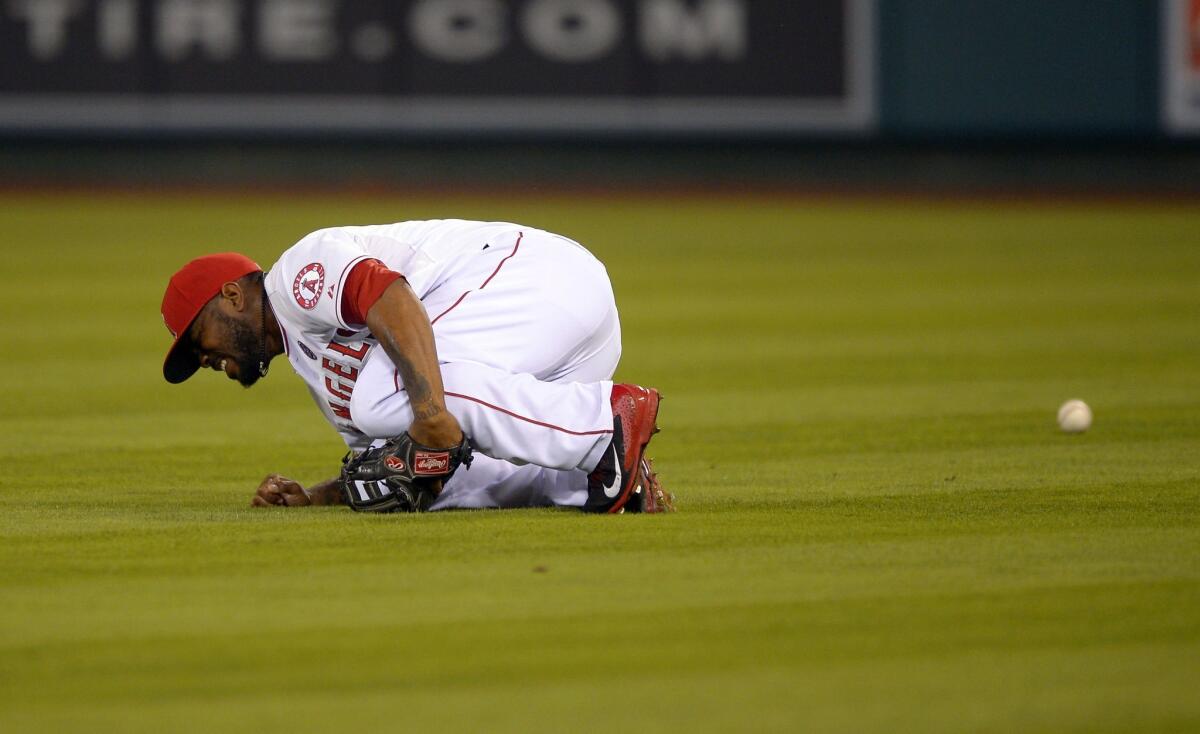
x=527, y=336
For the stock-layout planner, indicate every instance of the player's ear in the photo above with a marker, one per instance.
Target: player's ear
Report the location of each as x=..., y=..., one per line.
x=233, y=293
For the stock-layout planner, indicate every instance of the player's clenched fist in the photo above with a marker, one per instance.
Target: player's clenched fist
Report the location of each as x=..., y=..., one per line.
x=280, y=491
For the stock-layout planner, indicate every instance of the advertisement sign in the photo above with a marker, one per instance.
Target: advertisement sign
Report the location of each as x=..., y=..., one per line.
x=459, y=66
x=1181, y=66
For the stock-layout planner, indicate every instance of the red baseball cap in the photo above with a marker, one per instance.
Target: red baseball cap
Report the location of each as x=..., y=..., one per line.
x=187, y=292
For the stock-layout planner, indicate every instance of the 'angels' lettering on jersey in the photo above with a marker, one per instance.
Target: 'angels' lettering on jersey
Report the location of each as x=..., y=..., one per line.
x=341, y=364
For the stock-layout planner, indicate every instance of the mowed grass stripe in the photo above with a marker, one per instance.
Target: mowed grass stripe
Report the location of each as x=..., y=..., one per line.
x=549, y=647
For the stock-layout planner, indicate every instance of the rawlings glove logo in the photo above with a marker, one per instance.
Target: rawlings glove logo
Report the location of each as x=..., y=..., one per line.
x=426, y=463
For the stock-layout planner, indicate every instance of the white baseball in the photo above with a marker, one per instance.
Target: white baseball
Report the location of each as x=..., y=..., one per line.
x=1074, y=416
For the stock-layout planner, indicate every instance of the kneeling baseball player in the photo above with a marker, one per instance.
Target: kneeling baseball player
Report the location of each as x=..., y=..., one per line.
x=465, y=364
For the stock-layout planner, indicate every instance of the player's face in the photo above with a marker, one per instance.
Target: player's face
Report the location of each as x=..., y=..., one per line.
x=225, y=344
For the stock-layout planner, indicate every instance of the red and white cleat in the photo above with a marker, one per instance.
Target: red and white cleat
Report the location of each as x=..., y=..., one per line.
x=622, y=473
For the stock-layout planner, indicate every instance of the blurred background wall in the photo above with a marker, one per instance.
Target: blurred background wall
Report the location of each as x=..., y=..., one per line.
x=826, y=94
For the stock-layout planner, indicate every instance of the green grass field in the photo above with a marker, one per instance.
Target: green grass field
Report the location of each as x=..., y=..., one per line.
x=880, y=526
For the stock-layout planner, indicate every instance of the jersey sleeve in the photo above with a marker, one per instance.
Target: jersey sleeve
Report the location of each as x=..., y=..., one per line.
x=365, y=284
x=313, y=273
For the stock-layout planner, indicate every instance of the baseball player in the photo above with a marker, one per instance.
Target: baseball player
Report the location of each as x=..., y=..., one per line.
x=465, y=364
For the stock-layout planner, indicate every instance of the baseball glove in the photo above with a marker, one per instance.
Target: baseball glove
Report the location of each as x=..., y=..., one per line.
x=400, y=476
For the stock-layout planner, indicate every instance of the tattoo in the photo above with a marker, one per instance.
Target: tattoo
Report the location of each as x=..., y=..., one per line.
x=414, y=382
x=419, y=391
x=424, y=413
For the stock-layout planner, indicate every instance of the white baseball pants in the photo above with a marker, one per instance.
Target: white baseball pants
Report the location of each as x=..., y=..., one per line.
x=528, y=339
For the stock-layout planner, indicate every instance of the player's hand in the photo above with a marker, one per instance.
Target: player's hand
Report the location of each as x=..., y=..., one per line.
x=277, y=491
x=440, y=431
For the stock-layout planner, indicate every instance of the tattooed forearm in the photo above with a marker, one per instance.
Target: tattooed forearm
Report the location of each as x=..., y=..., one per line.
x=398, y=320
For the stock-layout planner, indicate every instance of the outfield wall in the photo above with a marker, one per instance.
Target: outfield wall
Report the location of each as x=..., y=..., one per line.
x=805, y=69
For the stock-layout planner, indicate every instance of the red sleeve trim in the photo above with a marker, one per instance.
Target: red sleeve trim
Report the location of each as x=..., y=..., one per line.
x=363, y=287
